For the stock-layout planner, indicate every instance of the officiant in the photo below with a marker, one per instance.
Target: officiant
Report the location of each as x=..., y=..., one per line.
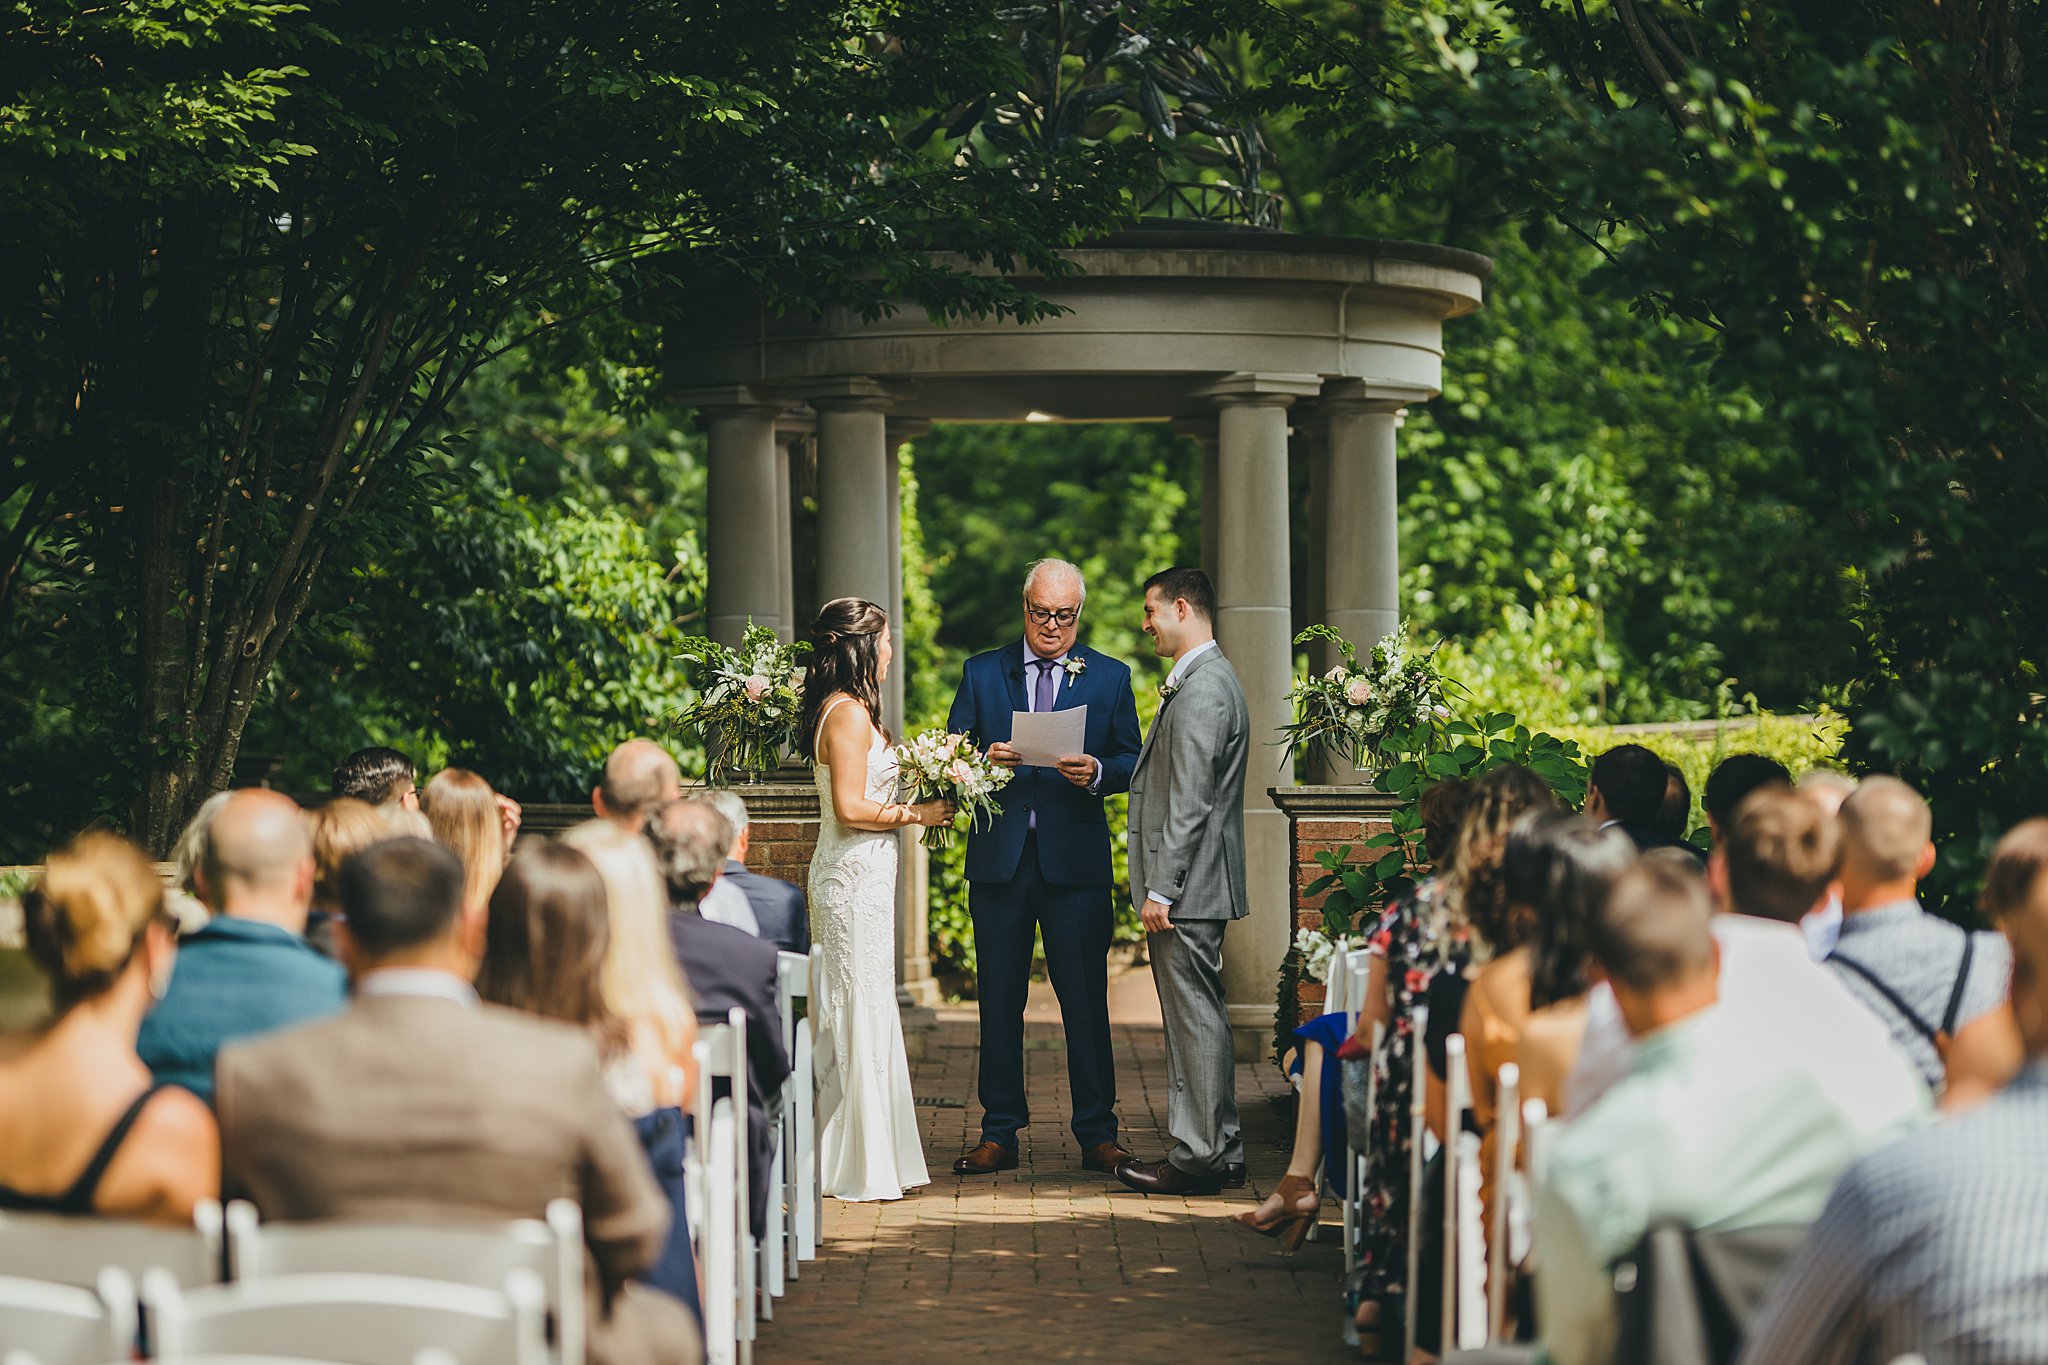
x=1044, y=864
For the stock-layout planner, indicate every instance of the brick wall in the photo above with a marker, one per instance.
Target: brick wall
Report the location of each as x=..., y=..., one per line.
x=1323, y=820
x=782, y=815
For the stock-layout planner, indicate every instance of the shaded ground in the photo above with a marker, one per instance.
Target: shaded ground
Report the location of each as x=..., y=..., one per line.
x=1048, y=1262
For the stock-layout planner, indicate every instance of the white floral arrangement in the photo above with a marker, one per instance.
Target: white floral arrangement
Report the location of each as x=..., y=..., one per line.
x=1350, y=709
x=748, y=700
x=1315, y=949
x=937, y=766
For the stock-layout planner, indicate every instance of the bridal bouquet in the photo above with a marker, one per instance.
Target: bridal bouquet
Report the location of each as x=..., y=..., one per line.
x=748, y=700
x=1354, y=706
x=936, y=766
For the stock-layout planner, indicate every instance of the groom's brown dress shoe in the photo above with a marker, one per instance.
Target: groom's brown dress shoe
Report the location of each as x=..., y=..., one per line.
x=1163, y=1177
x=986, y=1159
x=1105, y=1156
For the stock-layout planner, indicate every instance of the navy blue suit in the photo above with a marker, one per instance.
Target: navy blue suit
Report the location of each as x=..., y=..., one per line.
x=778, y=907
x=1054, y=878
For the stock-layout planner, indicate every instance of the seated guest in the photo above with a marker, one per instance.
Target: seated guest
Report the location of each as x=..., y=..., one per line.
x=1823, y=927
x=1775, y=862
x=544, y=952
x=1674, y=817
x=642, y=984
x=422, y=1104
x=638, y=776
x=1936, y=1247
x=1625, y=787
x=1938, y=988
x=378, y=777
x=1712, y=1128
x=1733, y=779
x=184, y=899
x=339, y=828
x=1561, y=865
x=87, y=1130
x=1552, y=861
x=249, y=971
x=469, y=820
x=726, y=967
x=780, y=913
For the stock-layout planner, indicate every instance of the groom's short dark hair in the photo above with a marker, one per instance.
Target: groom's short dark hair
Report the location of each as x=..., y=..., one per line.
x=1186, y=585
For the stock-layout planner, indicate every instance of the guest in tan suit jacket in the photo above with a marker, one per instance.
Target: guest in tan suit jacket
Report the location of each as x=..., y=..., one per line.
x=422, y=1103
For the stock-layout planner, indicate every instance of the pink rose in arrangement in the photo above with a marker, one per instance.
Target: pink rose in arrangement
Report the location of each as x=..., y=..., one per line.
x=960, y=772
x=1359, y=692
x=757, y=687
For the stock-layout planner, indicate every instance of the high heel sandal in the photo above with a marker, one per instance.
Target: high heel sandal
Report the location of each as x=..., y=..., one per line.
x=1292, y=1223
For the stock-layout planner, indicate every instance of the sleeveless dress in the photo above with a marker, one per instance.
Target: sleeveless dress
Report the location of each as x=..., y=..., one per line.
x=868, y=1140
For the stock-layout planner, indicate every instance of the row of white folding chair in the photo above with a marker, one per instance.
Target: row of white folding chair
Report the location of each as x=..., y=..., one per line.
x=1354, y=968
x=552, y=1249
x=794, y=1209
x=64, y=1324
x=718, y=1193
x=1475, y=1281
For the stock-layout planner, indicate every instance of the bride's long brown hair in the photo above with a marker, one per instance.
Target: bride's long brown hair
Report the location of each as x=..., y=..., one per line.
x=846, y=656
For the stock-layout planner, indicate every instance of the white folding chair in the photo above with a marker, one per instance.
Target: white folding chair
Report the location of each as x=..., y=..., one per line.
x=722, y=1054
x=351, y=1319
x=60, y=1250
x=1469, y=1325
x=778, y=1254
x=810, y=1201
x=1457, y=1099
x=62, y=1324
x=1418, y=1137
x=718, y=1248
x=478, y=1256
x=1507, y=1136
x=1359, y=961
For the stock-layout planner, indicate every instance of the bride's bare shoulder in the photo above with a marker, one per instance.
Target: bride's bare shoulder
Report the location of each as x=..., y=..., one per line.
x=845, y=719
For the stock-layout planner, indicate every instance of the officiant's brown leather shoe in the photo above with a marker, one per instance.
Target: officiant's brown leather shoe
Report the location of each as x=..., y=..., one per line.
x=1105, y=1156
x=1163, y=1177
x=986, y=1159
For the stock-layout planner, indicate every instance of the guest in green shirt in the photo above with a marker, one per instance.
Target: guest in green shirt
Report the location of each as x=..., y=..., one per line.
x=1720, y=1124
x=249, y=971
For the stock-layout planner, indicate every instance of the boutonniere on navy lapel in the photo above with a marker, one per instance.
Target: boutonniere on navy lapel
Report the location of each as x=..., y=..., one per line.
x=1075, y=666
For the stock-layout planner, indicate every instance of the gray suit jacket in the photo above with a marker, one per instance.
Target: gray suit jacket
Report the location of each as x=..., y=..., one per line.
x=1187, y=797
x=415, y=1109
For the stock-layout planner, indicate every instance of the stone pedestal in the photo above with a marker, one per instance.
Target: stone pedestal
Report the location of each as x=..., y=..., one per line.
x=1323, y=820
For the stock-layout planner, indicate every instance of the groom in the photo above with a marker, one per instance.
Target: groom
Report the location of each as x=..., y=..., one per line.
x=1187, y=880
x=1044, y=864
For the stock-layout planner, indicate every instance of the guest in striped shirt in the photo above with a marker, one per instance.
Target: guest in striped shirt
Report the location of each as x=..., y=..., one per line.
x=1938, y=1245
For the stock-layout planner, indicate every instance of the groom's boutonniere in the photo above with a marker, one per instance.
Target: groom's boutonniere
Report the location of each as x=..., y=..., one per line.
x=1166, y=691
x=1075, y=666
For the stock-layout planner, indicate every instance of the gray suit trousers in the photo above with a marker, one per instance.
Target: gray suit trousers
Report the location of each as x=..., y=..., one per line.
x=1201, y=1113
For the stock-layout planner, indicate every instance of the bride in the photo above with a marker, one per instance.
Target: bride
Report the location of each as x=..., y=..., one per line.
x=868, y=1141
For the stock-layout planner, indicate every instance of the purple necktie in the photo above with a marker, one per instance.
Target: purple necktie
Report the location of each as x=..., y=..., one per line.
x=1047, y=690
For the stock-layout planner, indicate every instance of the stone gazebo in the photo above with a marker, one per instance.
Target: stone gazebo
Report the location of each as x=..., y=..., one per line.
x=1240, y=337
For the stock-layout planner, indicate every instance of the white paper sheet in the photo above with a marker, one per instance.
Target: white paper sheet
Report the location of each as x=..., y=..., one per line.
x=1043, y=738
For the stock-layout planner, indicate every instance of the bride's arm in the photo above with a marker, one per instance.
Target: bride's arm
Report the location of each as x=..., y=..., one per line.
x=844, y=747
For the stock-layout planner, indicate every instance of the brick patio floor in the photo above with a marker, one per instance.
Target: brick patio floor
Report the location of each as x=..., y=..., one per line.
x=1048, y=1262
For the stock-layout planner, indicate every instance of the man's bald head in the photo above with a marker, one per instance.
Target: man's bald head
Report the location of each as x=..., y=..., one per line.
x=1885, y=829
x=638, y=776
x=2016, y=896
x=259, y=859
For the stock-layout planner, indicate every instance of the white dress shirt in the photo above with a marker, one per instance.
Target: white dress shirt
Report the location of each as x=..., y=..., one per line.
x=420, y=982
x=725, y=903
x=1064, y=679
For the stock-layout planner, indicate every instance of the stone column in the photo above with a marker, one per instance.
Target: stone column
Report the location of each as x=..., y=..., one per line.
x=746, y=556
x=790, y=430
x=1202, y=431
x=914, y=983
x=1361, y=512
x=855, y=552
x=1254, y=625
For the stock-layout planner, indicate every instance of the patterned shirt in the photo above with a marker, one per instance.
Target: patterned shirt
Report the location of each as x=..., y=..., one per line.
x=1937, y=1244
x=1918, y=956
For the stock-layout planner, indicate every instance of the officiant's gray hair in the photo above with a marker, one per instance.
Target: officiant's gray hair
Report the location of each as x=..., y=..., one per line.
x=1058, y=568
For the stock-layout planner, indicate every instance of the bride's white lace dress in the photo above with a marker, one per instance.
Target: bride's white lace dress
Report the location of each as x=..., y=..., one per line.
x=868, y=1140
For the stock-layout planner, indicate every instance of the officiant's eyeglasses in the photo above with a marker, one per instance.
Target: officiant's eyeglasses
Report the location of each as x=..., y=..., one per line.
x=1045, y=618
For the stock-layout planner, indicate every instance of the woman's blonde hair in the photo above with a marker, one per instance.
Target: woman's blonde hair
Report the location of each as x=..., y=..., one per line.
x=337, y=829
x=640, y=979
x=97, y=896
x=462, y=810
